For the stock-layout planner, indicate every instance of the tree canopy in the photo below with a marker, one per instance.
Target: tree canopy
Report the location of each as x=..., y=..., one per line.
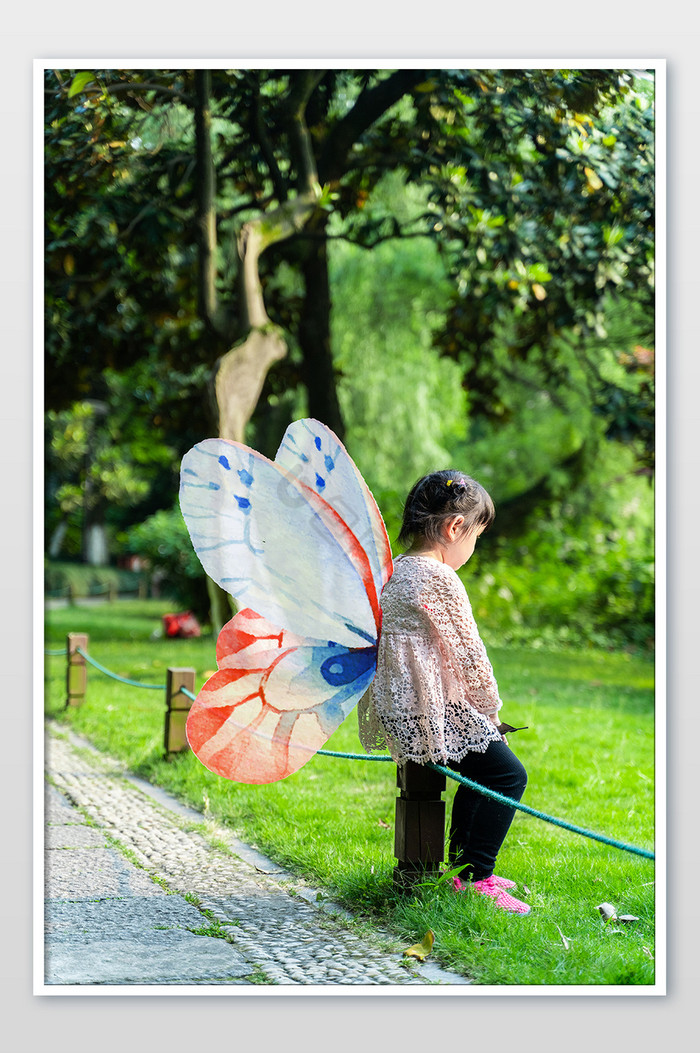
x=195, y=225
x=538, y=189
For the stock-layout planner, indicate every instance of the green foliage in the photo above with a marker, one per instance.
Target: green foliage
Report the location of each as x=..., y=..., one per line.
x=163, y=541
x=78, y=580
x=118, y=245
x=502, y=321
x=100, y=461
x=581, y=571
x=395, y=390
x=569, y=560
x=551, y=209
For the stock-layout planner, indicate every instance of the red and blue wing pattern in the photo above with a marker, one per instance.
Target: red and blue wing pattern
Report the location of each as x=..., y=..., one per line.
x=301, y=541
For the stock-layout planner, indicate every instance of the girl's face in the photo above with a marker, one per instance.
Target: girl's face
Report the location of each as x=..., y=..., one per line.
x=460, y=546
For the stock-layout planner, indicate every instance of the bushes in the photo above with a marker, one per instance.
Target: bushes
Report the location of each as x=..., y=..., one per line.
x=594, y=588
x=163, y=541
x=79, y=579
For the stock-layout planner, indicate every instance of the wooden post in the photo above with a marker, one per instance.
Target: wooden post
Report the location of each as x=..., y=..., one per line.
x=419, y=834
x=177, y=708
x=76, y=670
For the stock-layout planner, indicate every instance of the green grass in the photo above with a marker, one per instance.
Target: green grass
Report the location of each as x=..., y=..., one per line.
x=589, y=752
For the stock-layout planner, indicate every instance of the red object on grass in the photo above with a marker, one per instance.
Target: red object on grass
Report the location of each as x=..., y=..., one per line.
x=184, y=624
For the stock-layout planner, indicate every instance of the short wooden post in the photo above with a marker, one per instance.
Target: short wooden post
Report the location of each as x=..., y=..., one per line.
x=177, y=708
x=419, y=834
x=76, y=670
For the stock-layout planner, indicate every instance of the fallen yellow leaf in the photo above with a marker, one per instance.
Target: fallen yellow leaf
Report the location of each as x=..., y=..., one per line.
x=421, y=950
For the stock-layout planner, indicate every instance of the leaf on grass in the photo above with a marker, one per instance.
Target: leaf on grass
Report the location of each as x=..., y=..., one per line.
x=385, y=825
x=421, y=950
x=607, y=911
x=564, y=939
x=628, y=918
x=526, y=890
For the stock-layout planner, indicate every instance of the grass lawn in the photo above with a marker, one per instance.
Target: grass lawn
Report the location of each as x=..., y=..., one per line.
x=589, y=752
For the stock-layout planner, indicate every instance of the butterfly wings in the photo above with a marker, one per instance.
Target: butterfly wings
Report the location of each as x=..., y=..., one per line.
x=293, y=663
x=274, y=701
x=313, y=454
x=274, y=544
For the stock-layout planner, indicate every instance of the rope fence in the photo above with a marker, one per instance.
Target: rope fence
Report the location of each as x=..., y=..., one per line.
x=419, y=808
x=115, y=676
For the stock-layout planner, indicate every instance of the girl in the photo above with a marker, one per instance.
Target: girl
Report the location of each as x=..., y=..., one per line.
x=434, y=697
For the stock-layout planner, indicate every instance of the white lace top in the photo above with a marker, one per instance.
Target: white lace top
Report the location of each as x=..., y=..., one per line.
x=434, y=687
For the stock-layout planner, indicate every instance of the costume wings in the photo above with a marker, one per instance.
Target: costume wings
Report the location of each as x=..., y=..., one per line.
x=301, y=545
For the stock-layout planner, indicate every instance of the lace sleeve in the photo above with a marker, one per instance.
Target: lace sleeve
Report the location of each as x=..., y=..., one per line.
x=451, y=613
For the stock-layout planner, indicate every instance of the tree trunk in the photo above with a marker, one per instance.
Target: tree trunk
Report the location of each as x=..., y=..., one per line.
x=206, y=208
x=240, y=373
x=57, y=538
x=315, y=339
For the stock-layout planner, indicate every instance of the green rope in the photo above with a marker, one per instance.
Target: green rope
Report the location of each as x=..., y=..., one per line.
x=115, y=676
x=63, y=652
x=509, y=801
x=352, y=756
x=541, y=815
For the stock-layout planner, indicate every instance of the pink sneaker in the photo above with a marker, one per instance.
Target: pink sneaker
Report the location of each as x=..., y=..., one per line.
x=500, y=882
x=488, y=887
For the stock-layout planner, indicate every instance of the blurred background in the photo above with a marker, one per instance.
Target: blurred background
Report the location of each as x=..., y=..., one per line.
x=450, y=268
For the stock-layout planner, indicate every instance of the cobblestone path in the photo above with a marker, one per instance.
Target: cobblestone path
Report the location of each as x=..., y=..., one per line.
x=136, y=893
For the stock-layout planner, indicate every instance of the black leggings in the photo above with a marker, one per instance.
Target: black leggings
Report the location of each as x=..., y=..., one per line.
x=480, y=824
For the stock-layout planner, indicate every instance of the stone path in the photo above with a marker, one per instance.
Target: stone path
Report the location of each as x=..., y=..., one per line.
x=141, y=890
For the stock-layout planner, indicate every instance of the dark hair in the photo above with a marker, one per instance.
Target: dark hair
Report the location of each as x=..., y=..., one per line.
x=438, y=497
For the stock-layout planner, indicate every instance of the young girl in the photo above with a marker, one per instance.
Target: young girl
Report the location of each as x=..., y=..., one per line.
x=434, y=697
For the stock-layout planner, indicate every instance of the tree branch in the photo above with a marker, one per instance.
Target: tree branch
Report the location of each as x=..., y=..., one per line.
x=302, y=85
x=266, y=149
x=313, y=235
x=258, y=234
x=370, y=105
x=118, y=89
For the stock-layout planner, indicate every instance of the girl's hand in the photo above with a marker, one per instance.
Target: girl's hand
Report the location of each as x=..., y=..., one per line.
x=493, y=717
